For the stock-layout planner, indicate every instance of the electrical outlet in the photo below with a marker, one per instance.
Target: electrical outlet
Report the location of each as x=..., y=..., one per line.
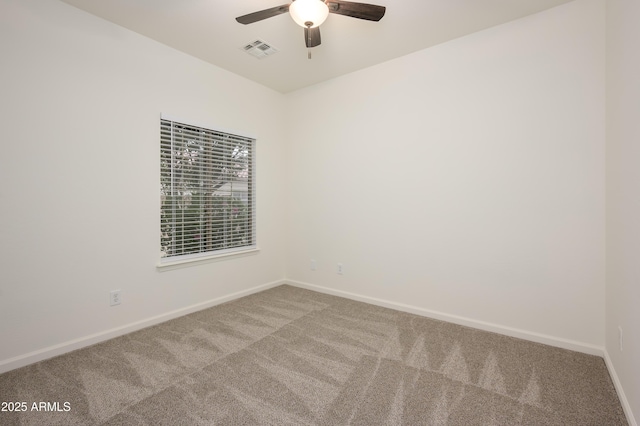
x=621, y=338
x=340, y=269
x=115, y=298
x=313, y=265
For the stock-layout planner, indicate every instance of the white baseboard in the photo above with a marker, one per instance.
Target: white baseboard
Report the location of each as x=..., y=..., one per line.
x=468, y=322
x=62, y=348
x=621, y=395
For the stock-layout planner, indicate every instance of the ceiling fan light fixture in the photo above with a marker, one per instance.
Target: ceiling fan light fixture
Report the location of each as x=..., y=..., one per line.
x=309, y=13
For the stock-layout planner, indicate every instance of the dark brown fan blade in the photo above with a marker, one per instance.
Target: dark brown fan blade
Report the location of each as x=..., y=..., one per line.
x=263, y=14
x=312, y=36
x=370, y=12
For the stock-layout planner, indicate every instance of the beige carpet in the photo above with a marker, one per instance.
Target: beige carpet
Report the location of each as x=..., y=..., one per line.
x=289, y=356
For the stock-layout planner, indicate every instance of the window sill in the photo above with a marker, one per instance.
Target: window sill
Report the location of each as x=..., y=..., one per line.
x=170, y=265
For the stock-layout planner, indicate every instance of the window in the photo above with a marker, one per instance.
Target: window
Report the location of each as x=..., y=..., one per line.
x=207, y=192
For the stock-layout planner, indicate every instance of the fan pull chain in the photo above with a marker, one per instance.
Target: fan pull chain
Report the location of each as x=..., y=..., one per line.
x=307, y=33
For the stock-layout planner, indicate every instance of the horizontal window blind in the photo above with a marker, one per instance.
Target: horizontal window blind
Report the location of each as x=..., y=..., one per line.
x=207, y=192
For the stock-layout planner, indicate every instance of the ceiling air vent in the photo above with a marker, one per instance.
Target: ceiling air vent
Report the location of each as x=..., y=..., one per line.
x=259, y=49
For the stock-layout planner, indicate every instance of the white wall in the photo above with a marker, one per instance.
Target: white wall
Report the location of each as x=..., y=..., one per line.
x=79, y=164
x=466, y=179
x=623, y=195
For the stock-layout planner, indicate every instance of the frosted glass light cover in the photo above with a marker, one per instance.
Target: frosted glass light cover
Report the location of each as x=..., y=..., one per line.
x=314, y=11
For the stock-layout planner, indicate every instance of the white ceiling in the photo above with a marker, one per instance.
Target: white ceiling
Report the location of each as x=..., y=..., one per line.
x=207, y=29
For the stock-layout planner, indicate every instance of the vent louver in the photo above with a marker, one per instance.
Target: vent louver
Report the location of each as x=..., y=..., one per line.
x=259, y=49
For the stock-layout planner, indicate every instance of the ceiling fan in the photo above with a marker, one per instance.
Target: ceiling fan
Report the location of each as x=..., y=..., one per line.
x=310, y=14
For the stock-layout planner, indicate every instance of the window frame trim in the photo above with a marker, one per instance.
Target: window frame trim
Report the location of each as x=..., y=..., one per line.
x=198, y=258
x=172, y=262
